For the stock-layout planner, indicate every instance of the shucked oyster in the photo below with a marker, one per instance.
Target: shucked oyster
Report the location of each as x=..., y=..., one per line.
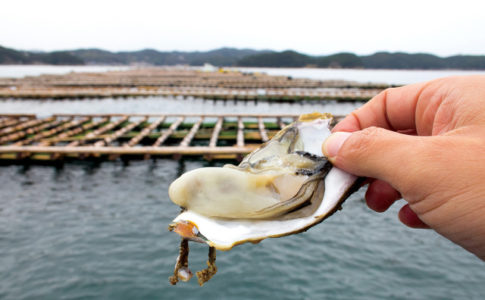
x=284, y=187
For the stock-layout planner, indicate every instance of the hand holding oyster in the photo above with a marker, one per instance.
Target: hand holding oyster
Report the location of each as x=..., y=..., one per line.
x=284, y=187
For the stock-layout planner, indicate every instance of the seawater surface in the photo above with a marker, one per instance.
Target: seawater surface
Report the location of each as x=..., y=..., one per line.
x=382, y=76
x=88, y=230
x=170, y=105
x=99, y=231
x=19, y=71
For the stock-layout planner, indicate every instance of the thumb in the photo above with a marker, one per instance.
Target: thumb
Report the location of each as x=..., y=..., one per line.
x=374, y=152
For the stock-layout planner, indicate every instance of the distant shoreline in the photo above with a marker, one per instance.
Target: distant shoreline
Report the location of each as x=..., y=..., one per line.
x=226, y=67
x=376, y=76
x=231, y=57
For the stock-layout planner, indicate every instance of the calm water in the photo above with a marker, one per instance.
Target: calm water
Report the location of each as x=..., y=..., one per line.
x=364, y=76
x=167, y=105
x=19, y=71
x=99, y=231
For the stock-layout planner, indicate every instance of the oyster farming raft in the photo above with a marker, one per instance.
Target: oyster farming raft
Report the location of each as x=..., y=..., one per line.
x=61, y=137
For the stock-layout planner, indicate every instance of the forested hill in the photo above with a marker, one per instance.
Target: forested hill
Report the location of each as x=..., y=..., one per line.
x=244, y=58
x=15, y=57
x=380, y=60
x=218, y=57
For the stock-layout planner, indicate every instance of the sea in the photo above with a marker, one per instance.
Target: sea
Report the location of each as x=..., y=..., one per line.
x=98, y=230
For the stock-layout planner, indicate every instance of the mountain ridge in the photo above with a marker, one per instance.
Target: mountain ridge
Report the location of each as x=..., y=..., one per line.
x=228, y=57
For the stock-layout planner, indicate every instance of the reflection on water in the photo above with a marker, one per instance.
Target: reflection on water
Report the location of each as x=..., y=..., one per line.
x=365, y=75
x=19, y=71
x=170, y=105
x=359, y=75
x=99, y=231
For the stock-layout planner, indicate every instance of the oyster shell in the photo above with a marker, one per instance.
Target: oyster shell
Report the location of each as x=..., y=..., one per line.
x=284, y=187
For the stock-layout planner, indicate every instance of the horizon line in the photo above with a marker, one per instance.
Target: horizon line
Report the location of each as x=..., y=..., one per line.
x=242, y=48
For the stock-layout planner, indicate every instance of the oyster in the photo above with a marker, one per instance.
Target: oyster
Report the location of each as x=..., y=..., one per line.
x=284, y=187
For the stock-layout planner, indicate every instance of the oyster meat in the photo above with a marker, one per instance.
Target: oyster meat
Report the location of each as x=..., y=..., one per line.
x=284, y=187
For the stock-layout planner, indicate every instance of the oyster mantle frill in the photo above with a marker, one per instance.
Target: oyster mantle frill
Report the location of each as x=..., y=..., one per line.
x=286, y=186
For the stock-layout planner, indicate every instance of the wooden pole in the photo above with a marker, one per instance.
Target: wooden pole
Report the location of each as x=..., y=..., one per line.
x=22, y=133
x=77, y=130
x=194, y=150
x=50, y=131
x=262, y=130
x=21, y=126
x=9, y=122
x=167, y=133
x=215, y=132
x=62, y=134
x=187, y=115
x=188, y=138
x=97, y=132
x=146, y=131
x=107, y=140
x=240, y=132
x=53, y=127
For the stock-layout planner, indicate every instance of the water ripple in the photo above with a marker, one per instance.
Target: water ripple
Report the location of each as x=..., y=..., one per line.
x=100, y=231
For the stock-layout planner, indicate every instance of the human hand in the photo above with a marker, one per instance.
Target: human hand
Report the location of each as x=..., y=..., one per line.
x=426, y=143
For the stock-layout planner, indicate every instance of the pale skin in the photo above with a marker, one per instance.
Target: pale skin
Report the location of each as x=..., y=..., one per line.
x=424, y=143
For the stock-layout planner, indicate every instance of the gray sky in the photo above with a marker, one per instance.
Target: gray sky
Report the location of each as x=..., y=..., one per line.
x=313, y=27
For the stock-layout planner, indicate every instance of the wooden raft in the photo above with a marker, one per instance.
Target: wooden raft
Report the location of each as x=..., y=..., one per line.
x=135, y=136
x=174, y=82
x=240, y=94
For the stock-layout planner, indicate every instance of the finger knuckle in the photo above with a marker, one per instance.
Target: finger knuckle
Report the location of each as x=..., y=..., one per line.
x=361, y=142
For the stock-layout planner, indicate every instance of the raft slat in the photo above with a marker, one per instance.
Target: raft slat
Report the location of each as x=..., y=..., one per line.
x=194, y=150
x=78, y=130
x=105, y=129
x=188, y=138
x=12, y=128
x=118, y=133
x=20, y=134
x=262, y=130
x=9, y=122
x=50, y=122
x=167, y=133
x=42, y=134
x=169, y=82
x=187, y=115
x=146, y=131
x=61, y=134
x=240, y=132
x=27, y=124
x=215, y=132
x=286, y=94
x=66, y=124
x=97, y=132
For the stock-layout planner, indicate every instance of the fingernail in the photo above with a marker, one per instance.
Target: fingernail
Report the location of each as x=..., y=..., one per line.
x=332, y=144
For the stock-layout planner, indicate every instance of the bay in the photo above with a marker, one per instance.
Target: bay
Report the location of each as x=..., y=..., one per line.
x=19, y=71
x=380, y=76
x=99, y=231
x=86, y=230
x=383, y=76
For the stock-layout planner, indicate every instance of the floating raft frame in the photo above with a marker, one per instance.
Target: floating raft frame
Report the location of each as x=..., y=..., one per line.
x=135, y=136
x=173, y=82
x=241, y=94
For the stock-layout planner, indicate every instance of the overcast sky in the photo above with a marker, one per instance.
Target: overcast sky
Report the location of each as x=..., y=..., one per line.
x=313, y=27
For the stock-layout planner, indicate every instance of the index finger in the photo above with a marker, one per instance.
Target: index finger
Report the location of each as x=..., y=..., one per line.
x=393, y=109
